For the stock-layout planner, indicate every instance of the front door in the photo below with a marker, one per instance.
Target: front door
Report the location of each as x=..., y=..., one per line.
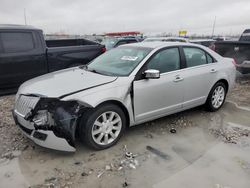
x=154, y=98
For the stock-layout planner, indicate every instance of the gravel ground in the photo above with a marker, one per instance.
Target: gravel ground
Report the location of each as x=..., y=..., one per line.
x=11, y=138
x=241, y=92
x=13, y=142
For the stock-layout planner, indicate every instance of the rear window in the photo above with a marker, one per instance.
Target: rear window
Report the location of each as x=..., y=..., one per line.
x=14, y=42
x=194, y=56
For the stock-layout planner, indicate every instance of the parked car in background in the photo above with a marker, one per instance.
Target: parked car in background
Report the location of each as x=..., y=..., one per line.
x=238, y=50
x=205, y=42
x=113, y=42
x=24, y=54
x=165, y=39
x=221, y=38
x=125, y=86
x=138, y=38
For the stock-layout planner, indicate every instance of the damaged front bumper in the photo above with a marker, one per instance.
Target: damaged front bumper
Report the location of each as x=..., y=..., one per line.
x=50, y=123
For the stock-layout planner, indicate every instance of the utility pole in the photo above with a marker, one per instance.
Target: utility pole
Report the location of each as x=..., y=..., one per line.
x=213, y=26
x=24, y=14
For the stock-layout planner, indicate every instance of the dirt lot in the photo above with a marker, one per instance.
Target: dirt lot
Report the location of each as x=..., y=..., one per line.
x=208, y=150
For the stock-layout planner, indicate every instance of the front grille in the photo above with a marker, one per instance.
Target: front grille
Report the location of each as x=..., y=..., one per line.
x=25, y=103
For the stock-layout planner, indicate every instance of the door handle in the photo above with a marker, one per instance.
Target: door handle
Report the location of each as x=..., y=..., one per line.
x=213, y=70
x=178, y=79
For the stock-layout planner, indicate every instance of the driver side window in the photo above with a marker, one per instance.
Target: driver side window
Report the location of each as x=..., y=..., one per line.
x=165, y=61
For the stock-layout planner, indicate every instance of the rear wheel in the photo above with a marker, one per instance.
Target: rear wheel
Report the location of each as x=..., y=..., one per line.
x=103, y=127
x=216, y=97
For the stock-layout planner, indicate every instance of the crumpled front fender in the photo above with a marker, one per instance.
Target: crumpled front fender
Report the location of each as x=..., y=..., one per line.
x=65, y=125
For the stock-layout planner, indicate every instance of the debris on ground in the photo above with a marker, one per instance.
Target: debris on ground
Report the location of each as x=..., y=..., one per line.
x=125, y=184
x=230, y=132
x=130, y=161
x=108, y=167
x=130, y=155
x=50, y=179
x=127, y=161
x=84, y=174
x=158, y=152
x=173, y=130
x=77, y=163
x=100, y=174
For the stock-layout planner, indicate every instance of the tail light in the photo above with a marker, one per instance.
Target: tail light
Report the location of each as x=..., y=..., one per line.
x=103, y=50
x=234, y=62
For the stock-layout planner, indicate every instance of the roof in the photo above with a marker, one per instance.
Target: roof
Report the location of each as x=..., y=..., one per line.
x=167, y=38
x=159, y=44
x=14, y=26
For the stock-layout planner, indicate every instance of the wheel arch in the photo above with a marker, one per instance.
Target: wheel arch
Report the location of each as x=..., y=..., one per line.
x=119, y=104
x=224, y=81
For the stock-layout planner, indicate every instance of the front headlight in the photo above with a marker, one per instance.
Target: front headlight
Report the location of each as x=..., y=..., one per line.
x=41, y=118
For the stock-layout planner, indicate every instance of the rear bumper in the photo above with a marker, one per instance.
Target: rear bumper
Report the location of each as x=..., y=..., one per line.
x=44, y=138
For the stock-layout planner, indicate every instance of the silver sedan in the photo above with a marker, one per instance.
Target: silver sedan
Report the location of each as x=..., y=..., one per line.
x=126, y=86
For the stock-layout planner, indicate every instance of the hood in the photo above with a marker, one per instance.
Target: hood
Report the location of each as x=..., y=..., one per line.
x=64, y=82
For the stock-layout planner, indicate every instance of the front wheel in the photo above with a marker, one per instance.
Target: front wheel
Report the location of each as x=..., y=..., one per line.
x=103, y=127
x=216, y=97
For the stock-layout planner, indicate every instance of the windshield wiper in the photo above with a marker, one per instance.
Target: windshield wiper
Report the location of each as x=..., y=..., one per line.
x=95, y=71
x=84, y=67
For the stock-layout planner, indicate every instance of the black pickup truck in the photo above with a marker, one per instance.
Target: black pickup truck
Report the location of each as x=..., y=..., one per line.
x=239, y=50
x=25, y=54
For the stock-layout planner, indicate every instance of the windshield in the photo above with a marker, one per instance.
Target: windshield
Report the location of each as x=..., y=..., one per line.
x=119, y=61
x=109, y=42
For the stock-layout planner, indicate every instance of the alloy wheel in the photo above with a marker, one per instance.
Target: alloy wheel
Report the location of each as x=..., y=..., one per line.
x=106, y=128
x=218, y=96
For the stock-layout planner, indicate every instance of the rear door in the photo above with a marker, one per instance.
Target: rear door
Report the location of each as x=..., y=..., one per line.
x=199, y=76
x=158, y=97
x=22, y=57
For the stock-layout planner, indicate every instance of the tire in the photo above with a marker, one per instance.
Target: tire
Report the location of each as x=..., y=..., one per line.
x=211, y=104
x=98, y=133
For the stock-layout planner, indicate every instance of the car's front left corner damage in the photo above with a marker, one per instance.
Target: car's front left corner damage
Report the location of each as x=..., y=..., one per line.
x=54, y=122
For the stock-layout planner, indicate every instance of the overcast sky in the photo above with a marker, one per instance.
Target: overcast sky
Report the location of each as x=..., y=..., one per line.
x=148, y=16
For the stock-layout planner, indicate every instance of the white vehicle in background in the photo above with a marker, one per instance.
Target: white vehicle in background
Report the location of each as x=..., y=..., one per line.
x=125, y=86
x=165, y=39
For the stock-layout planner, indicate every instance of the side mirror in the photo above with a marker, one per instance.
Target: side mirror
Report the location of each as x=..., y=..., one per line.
x=152, y=74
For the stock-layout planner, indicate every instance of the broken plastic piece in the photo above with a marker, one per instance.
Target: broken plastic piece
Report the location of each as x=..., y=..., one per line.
x=129, y=155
